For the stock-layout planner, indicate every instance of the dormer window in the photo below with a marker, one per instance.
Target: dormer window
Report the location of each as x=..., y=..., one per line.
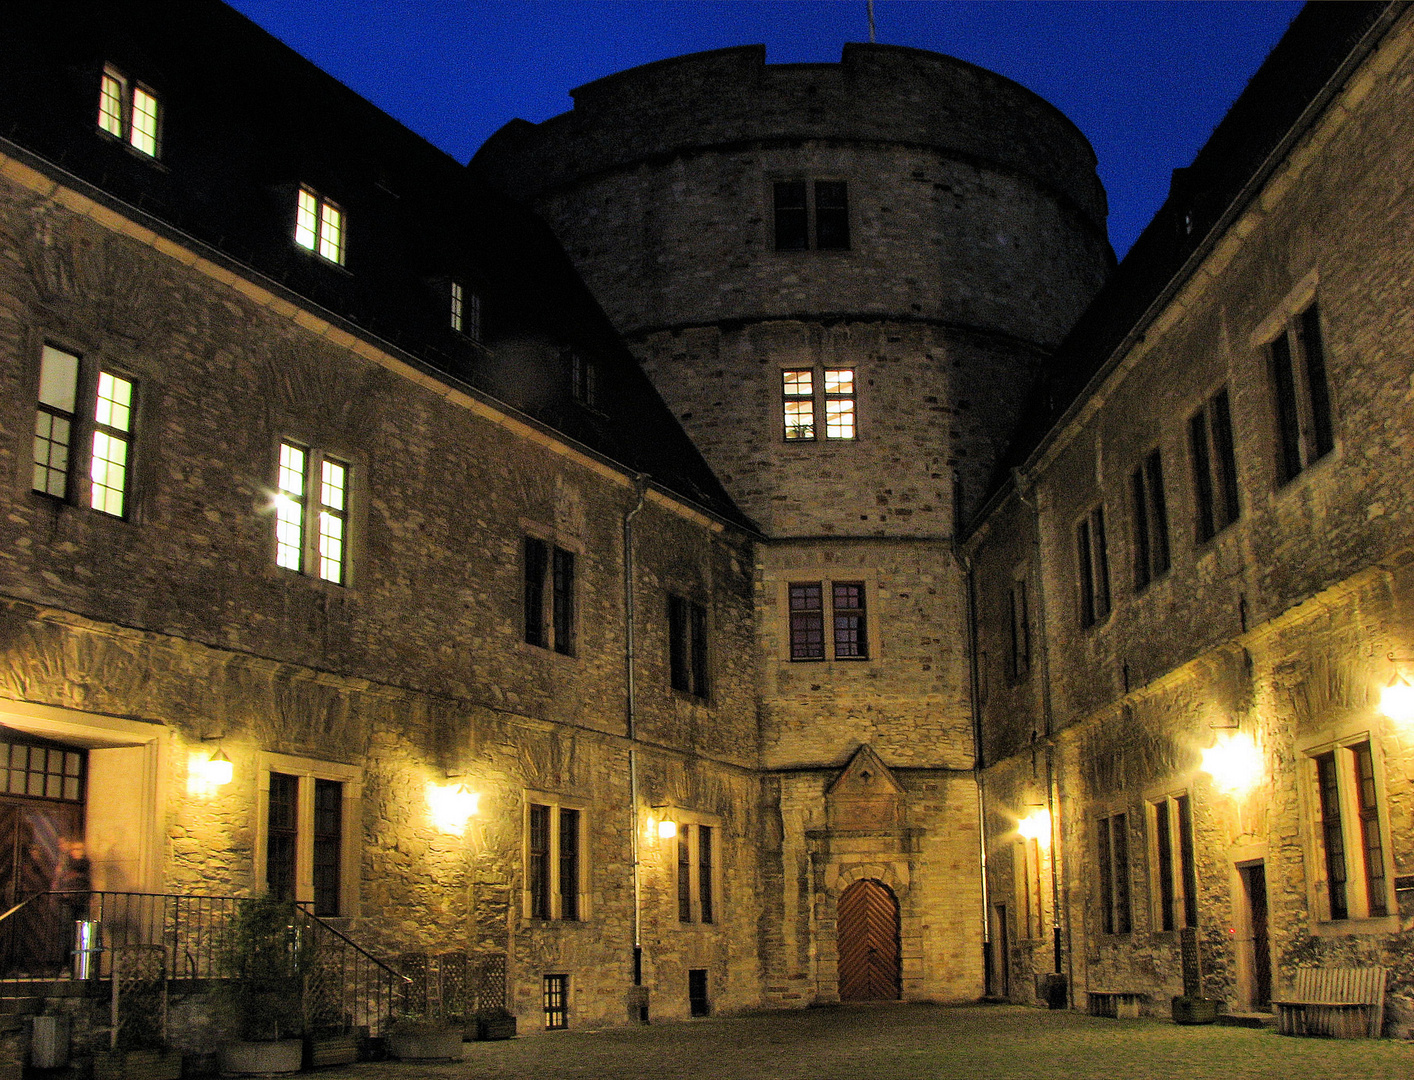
x=128, y=111
x=319, y=225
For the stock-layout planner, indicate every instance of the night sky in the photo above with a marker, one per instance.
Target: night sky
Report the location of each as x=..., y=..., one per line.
x=1146, y=82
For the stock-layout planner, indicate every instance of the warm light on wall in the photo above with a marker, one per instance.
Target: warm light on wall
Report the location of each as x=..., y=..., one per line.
x=667, y=829
x=1397, y=699
x=1036, y=826
x=206, y=773
x=451, y=806
x=1233, y=762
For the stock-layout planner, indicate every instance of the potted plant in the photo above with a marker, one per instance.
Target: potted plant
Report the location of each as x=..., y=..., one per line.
x=1194, y=1010
x=263, y=958
x=426, y=1036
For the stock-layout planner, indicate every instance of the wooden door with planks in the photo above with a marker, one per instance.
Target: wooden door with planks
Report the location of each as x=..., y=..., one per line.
x=868, y=929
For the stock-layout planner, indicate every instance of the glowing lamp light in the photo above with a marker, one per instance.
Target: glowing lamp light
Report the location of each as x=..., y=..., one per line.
x=206, y=774
x=1397, y=699
x=1036, y=826
x=667, y=829
x=1233, y=763
x=218, y=769
x=451, y=805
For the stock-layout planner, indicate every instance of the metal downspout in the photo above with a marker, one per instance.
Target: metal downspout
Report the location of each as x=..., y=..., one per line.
x=975, y=701
x=631, y=718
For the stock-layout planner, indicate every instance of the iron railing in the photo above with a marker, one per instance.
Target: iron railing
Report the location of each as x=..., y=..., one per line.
x=75, y=935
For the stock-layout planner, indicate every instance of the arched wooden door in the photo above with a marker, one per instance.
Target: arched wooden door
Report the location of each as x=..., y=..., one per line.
x=867, y=922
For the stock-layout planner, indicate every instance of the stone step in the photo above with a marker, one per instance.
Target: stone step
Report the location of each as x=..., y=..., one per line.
x=1247, y=1020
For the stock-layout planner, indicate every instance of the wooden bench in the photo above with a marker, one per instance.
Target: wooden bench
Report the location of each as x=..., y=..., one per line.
x=1120, y=1004
x=1343, y=1003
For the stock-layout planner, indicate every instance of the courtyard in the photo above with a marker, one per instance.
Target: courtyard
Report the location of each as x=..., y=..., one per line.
x=912, y=1042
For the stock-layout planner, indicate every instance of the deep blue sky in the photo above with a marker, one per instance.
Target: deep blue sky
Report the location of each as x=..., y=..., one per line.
x=1146, y=82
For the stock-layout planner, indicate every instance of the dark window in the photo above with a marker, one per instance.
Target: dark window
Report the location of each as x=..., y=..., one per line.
x=1189, y=863
x=328, y=844
x=1114, y=875
x=282, y=836
x=1019, y=655
x=537, y=870
x=1173, y=856
x=1094, y=568
x=1163, y=854
x=697, y=992
x=796, y=203
x=687, y=646
x=584, y=378
x=562, y=602
x=536, y=557
x=1151, y=528
x=557, y=992
x=1301, y=392
x=704, y=872
x=684, y=873
x=1214, y=467
x=569, y=864
x=1333, y=835
x=792, y=216
x=851, y=630
x=831, y=215
x=1367, y=803
x=807, y=621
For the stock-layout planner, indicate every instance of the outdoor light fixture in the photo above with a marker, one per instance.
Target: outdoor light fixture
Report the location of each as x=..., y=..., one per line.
x=207, y=773
x=667, y=827
x=219, y=769
x=1036, y=826
x=1397, y=698
x=452, y=806
x=1233, y=762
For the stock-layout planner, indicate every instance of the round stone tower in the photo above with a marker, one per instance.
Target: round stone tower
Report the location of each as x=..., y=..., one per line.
x=843, y=279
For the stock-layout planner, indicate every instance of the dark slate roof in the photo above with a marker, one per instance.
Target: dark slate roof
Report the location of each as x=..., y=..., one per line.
x=1319, y=41
x=246, y=121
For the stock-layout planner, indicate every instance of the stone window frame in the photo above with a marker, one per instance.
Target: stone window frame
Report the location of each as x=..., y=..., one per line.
x=85, y=427
x=552, y=618
x=689, y=823
x=1340, y=747
x=307, y=770
x=826, y=577
x=1094, y=592
x=820, y=399
x=689, y=638
x=1212, y=458
x=116, y=89
x=1173, y=888
x=556, y=802
x=1152, y=546
x=1115, y=875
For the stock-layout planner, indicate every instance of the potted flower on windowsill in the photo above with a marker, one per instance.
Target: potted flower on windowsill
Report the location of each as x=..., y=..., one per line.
x=263, y=959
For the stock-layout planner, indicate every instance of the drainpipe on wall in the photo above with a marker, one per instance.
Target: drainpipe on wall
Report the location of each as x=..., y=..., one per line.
x=975, y=702
x=1048, y=720
x=640, y=483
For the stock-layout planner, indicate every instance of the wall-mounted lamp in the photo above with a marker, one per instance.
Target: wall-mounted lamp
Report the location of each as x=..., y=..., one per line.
x=218, y=769
x=667, y=828
x=1036, y=826
x=451, y=806
x=1233, y=762
x=1397, y=698
x=208, y=772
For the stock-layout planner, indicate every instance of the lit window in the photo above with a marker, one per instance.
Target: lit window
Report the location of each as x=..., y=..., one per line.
x=1175, y=872
x=304, y=847
x=839, y=403
x=319, y=225
x=1114, y=874
x=796, y=203
x=556, y=995
x=799, y=399
x=109, y=465
x=294, y=505
x=465, y=311
x=696, y=877
x=1093, y=558
x=848, y=620
x=1151, y=521
x=1214, y=467
x=458, y=307
x=128, y=112
x=1350, y=834
x=547, y=565
x=1305, y=432
x=554, y=850
x=687, y=646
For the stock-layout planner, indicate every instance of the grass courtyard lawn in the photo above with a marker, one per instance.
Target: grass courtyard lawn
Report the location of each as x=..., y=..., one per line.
x=916, y=1042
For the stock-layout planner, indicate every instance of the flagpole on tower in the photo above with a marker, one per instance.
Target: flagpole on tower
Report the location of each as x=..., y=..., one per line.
x=871, y=22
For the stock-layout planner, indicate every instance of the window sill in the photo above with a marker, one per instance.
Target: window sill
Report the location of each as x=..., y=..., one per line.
x=689, y=697
x=1379, y=924
x=1309, y=474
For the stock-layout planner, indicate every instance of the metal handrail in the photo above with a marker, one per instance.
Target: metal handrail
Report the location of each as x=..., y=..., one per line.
x=304, y=910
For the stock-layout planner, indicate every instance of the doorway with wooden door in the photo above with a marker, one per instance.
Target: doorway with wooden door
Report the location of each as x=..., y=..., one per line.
x=867, y=922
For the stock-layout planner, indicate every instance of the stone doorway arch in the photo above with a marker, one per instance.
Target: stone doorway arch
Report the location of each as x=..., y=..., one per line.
x=867, y=928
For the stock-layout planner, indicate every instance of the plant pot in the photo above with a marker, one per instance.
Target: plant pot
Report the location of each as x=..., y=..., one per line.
x=430, y=1042
x=322, y=1050
x=137, y=1065
x=496, y=1024
x=1192, y=1010
x=272, y=1058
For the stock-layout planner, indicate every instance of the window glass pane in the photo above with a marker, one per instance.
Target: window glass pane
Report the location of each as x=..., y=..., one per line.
x=331, y=488
x=831, y=215
x=792, y=223
x=537, y=871
x=307, y=219
x=798, y=383
x=839, y=418
x=684, y=873
x=331, y=231
x=331, y=547
x=534, y=599
x=807, y=621
x=281, y=835
x=458, y=306
x=51, y=454
x=328, y=842
x=58, y=379
x=114, y=406
x=851, y=642
x=704, y=872
x=839, y=381
x=108, y=473
x=569, y=863
x=110, y=103
x=289, y=508
x=144, y=131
